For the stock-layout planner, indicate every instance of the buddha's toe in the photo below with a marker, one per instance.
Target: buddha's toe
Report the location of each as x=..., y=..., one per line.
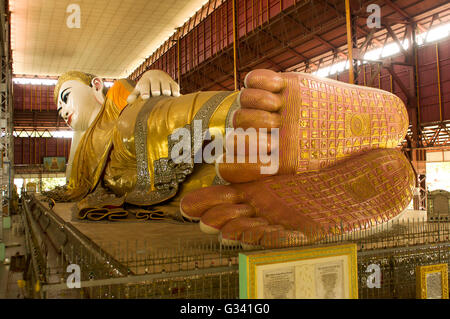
x=216, y=217
x=282, y=238
x=256, y=119
x=243, y=171
x=248, y=156
x=250, y=143
x=196, y=203
x=254, y=141
x=265, y=80
x=255, y=237
x=231, y=232
x=260, y=99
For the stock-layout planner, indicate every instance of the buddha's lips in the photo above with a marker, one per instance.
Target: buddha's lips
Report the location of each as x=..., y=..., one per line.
x=69, y=120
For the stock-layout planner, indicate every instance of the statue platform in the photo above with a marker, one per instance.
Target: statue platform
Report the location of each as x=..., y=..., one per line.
x=134, y=242
x=165, y=235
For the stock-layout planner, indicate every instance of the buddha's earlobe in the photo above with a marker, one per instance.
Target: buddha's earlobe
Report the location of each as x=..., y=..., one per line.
x=97, y=83
x=97, y=86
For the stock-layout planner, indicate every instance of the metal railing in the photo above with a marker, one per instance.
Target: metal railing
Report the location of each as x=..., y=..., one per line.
x=207, y=269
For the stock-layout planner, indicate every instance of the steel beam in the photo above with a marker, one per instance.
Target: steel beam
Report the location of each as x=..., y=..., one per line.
x=348, y=22
x=315, y=36
x=235, y=48
x=402, y=13
x=6, y=110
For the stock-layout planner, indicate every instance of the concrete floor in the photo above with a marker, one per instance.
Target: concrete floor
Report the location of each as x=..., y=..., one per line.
x=157, y=234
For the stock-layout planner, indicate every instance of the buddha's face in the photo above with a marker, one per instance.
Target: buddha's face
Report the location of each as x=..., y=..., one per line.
x=78, y=103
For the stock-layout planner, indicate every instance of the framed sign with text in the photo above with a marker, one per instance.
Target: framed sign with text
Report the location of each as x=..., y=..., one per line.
x=325, y=272
x=432, y=281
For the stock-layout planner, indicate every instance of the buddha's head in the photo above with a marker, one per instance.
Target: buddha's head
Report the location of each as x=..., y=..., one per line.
x=78, y=97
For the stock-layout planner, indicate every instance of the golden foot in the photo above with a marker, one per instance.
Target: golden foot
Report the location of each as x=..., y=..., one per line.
x=365, y=189
x=320, y=122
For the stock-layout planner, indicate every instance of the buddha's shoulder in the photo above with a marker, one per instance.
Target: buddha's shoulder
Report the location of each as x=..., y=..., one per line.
x=122, y=85
x=119, y=92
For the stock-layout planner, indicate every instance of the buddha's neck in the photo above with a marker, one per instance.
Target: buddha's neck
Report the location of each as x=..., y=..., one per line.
x=103, y=125
x=77, y=135
x=94, y=115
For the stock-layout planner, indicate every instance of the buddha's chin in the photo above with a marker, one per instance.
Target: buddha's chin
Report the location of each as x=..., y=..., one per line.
x=69, y=120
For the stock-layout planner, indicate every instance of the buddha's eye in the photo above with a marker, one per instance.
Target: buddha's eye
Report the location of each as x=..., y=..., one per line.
x=64, y=97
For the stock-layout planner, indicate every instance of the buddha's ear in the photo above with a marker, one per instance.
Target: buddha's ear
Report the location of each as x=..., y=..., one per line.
x=97, y=87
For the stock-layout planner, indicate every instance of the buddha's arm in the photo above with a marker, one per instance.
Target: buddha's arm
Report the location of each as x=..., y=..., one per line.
x=146, y=133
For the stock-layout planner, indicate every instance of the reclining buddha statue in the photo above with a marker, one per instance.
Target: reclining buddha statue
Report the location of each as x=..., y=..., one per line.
x=301, y=154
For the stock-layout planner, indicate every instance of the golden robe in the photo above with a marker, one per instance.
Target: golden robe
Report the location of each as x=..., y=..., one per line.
x=127, y=147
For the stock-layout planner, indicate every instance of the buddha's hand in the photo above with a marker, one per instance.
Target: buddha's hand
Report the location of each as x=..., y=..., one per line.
x=306, y=123
x=154, y=83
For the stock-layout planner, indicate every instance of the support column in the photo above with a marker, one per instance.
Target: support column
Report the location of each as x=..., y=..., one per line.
x=415, y=102
x=418, y=152
x=236, y=74
x=6, y=136
x=439, y=82
x=178, y=59
x=351, y=44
